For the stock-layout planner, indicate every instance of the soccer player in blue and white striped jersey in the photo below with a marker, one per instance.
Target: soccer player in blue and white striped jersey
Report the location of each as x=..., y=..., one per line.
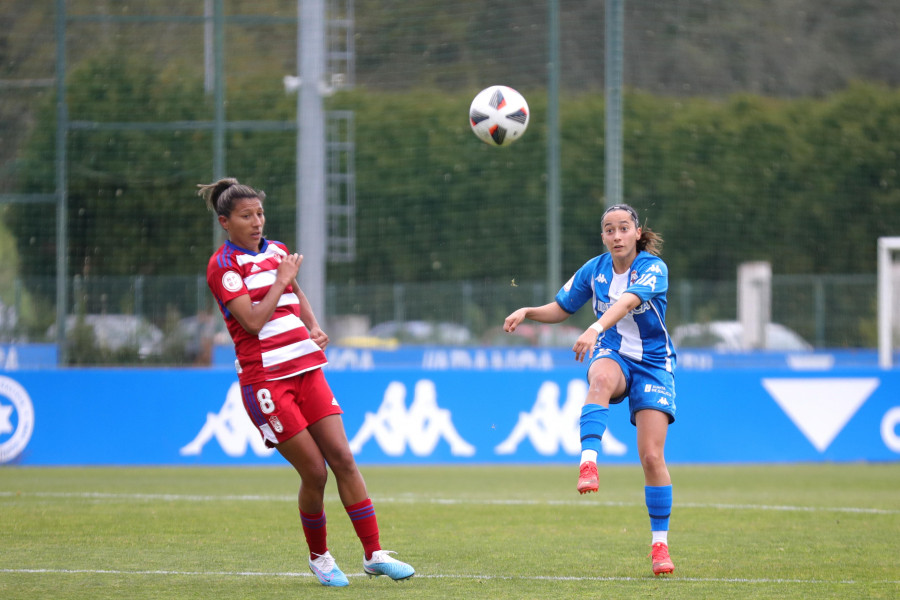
x=631, y=356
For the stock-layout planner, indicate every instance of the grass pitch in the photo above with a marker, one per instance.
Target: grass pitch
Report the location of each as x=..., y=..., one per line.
x=778, y=531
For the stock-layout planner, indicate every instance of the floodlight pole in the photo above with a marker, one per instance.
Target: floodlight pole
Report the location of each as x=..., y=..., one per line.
x=615, y=22
x=554, y=236
x=311, y=218
x=218, y=88
x=62, y=127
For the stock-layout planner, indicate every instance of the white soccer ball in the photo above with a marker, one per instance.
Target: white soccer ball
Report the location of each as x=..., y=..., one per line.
x=499, y=115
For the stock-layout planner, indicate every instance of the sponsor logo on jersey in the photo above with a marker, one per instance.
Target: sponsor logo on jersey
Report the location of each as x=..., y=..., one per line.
x=16, y=419
x=255, y=268
x=420, y=427
x=568, y=285
x=550, y=427
x=662, y=401
x=231, y=281
x=334, y=402
x=601, y=278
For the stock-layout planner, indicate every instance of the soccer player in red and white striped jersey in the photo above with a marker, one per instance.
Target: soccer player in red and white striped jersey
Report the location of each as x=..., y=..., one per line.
x=280, y=351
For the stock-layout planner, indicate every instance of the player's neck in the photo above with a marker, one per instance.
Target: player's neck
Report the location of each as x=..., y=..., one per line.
x=621, y=265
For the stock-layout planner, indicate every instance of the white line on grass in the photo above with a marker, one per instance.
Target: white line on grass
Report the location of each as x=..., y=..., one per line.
x=755, y=580
x=446, y=501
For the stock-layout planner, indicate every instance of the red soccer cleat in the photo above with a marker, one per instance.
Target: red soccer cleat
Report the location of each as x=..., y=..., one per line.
x=662, y=563
x=588, y=480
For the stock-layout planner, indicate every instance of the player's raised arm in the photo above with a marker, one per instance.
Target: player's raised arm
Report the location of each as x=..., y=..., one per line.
x=548, y=313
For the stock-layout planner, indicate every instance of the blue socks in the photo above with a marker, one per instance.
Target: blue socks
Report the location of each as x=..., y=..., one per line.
x=593, y=426
x=659, y=506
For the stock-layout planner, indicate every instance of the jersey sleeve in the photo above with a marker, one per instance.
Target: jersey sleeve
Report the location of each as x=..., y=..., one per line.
x=578, y=289
x=225, y=282
x=652, y=279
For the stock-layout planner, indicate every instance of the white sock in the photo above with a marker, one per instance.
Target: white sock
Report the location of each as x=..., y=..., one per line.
x=588, y=456
x=660, y=536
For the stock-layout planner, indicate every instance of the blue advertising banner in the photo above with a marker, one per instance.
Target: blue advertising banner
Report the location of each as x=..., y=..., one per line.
x=444, y=358
x=416, y=416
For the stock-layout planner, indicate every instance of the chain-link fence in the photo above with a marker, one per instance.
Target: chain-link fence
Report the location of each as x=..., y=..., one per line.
x=752, y=131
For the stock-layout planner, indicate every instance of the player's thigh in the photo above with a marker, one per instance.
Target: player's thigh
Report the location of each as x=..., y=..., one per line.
x=607, y=378
x=322, y=411
x=331, y=438
x=652, y=428
x=304, y=454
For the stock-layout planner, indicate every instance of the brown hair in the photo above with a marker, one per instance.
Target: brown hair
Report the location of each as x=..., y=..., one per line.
x=222, y=195
x=649, y=241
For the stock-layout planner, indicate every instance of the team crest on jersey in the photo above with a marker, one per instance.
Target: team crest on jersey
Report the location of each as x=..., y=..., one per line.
x=231, y=281
x=634, y=277
x=276, y=424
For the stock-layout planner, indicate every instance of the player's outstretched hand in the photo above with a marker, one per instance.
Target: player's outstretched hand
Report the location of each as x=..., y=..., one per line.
x=585, y=344
x=513, y=320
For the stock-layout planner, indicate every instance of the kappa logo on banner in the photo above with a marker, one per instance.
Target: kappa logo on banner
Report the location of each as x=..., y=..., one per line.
x=421, y=426
x=231, y=428
x=16, y=418
x=548, y=426
x=821, y=408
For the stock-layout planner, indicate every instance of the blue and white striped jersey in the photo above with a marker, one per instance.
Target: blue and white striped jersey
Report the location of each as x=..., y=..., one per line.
x=640, y=335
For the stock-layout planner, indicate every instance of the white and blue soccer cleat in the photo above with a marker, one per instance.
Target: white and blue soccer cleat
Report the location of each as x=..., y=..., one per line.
x=327, y=571
x=382, y=563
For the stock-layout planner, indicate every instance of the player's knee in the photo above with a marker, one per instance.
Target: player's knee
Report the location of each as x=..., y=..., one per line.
x=652, y=460
x=313, y=485
x=342, y=463
x=601, y=383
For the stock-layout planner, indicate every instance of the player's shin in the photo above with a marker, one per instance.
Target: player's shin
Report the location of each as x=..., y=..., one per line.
x=592, y=426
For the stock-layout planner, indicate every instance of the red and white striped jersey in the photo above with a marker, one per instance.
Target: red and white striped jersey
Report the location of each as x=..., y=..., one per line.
x=283, y=347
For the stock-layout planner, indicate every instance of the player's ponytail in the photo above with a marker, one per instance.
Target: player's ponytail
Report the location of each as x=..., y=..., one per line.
x=650, y=241
x=221, y=196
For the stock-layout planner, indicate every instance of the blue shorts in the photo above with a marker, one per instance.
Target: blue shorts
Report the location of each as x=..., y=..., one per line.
x=646, y=387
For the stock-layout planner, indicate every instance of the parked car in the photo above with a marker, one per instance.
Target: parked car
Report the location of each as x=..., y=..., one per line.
x=195, y=336
x=442, y=333
x=117, y=332
x=727, y=336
